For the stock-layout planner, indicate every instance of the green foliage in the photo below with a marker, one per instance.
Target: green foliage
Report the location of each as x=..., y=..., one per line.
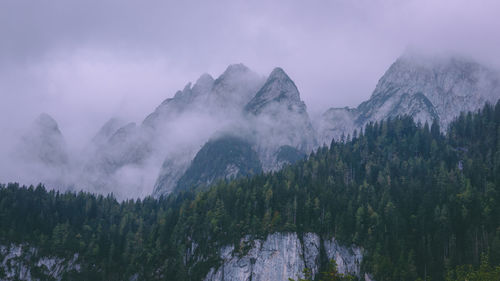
x=421, y=204
x=289, y=154
x=331, y=274
x=212, y=161
x=485, y=272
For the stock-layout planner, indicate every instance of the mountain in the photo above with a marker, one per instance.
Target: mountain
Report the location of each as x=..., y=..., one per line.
x=41, y=155
x=279, y=118
x=227, y=158
x=336, y=122
x=269, y=115
x=426, y=88
x=226, y=95
x=107, y=131
x=152, y=156
x=44, y=142
x=397, y=202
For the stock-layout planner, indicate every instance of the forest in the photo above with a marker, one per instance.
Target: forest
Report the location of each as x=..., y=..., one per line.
x=425, y=205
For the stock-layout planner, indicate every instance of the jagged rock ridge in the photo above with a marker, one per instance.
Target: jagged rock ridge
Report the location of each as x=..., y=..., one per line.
x=425, y=88
x=45, y=143
x=267, y=112
x=268, y=117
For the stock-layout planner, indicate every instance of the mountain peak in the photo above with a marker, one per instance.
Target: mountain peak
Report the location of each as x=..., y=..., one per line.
x=236, y=68
x=44, y=143
x=278, y=88
x=204, y=78
x=46, y=122
x=429, y=87
x=204, y=84
x=278, y=73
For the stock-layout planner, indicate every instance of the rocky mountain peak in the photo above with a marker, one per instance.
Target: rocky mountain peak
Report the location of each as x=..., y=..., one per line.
x=278, y=73
x=44, y=142
x=204, y=84
x=429, y=87
x=235, y=69
x=235, y=87
x=107, y=130
x=424, y=87
x=278, y=88
x=45, y=123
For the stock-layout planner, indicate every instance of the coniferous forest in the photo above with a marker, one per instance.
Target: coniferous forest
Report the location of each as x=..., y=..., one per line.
x=422, y=203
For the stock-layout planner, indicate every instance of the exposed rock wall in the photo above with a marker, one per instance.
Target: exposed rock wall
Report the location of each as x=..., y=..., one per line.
x=281, y=256
x=21, y=262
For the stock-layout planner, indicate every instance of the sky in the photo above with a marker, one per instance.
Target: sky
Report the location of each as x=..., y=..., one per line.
x=84, y=62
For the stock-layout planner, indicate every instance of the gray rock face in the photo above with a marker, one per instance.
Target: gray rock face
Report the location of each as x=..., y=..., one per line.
x=214, y=105
x=173, y=168
x=41, y=155
x=19, y=261
x=334, y=123
x=279, y=118
x=431, y=88
x=282, y=256
x=44, y=142
x=107, y=131
x=234, y=88
x=347, y=259
x=425, y=88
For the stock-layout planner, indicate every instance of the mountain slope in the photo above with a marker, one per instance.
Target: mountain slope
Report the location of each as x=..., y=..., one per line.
x=279, y=117
x=225, y=158
x=399, y=201
x=268, y=112
x=269, y=117
x=45, y=143
x=426, y=88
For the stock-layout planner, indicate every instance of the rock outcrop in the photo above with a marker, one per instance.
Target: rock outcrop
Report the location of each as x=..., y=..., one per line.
x=281, y=256
x=22, y=262
x=425, y=88
x=279, y=118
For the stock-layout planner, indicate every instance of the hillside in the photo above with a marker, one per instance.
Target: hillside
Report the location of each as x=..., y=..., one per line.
x=400, y=202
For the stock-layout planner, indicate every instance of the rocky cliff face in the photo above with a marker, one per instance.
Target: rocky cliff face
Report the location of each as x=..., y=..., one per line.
x=423, y=87
x=279, y=118
x=431, y=88
x=281, y=256
x=278, y=257
x=21, y=262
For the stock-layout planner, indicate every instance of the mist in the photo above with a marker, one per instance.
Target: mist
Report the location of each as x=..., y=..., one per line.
x=86, y=62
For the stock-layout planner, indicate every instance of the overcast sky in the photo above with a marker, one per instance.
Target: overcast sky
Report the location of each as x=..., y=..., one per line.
x=85, y=61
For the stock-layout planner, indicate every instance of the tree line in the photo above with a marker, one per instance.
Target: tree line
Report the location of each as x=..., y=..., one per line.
x=424, y=206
